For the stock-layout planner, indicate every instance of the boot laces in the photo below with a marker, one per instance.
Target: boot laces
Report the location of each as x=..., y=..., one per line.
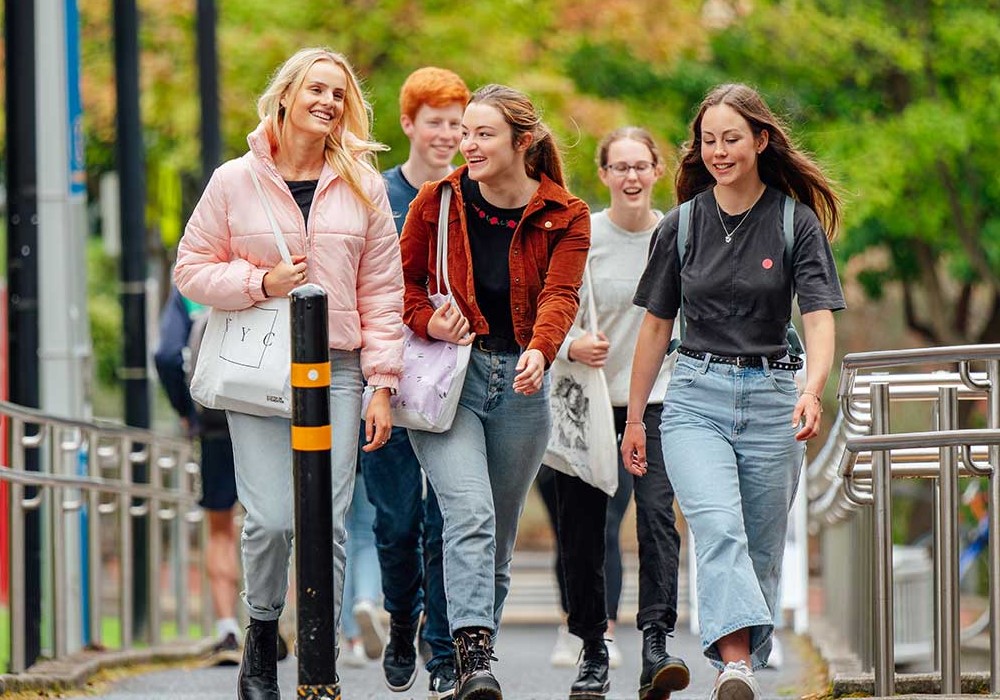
x=593, y=658
x=658, y=643
x=477, y=652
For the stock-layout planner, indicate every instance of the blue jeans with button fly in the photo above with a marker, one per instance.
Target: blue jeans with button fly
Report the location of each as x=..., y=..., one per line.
x=481, y=470
x=730, y=451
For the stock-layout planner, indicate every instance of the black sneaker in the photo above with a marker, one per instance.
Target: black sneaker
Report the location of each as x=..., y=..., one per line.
x=399, y=659
x=443, y=679
x=226, y=652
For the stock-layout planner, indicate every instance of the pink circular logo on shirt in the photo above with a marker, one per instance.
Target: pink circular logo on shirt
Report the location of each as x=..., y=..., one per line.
x=767, y=263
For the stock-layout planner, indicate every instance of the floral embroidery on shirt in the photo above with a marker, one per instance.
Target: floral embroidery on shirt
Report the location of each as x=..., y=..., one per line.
x=493, y=219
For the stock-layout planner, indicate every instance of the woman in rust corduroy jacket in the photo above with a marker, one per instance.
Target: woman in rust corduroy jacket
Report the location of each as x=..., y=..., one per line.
x=517, y=245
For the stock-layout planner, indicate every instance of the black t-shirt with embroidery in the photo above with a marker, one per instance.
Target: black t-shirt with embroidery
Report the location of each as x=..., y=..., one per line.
x=303, y=192
x=738, y=296
x=491, y=230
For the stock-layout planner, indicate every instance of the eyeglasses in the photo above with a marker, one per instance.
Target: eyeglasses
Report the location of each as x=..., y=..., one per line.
x=621, y=168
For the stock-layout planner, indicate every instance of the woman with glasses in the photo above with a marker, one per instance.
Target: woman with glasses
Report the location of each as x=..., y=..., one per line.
x=587, y=522
x=734, y=423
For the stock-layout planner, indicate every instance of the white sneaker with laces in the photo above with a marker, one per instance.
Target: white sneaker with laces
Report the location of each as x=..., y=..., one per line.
x=614, y=654
x=566, y=651
x=736, y=682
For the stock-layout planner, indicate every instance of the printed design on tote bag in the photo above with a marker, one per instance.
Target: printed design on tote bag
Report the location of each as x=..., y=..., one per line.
x=248, y=335
x=571, y=417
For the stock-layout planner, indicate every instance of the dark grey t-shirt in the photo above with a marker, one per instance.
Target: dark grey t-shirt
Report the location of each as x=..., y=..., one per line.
x=738, y=296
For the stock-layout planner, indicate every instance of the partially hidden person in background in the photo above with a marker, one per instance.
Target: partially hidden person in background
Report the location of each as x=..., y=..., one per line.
x=588, y=522
x=312, y=153
x=517, y=244
x=181, y=326
x=408, y=522
x=734, y=422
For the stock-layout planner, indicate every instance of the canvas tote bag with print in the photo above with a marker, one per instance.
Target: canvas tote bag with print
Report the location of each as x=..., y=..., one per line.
x=582, y=442
x=433, y=370
x=244, y=362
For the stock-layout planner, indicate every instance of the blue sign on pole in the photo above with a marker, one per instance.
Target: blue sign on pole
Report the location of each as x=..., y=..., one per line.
x=77, y=164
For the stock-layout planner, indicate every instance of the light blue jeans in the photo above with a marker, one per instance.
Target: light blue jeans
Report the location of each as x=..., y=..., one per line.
x=362, y=576
x=730, y=451
x=262, y=448
x=481, y=470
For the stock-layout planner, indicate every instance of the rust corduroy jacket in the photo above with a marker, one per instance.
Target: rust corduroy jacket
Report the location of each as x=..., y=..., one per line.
x=547, y=257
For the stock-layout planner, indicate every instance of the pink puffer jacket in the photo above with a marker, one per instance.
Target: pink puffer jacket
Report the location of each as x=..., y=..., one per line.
x=351, y=251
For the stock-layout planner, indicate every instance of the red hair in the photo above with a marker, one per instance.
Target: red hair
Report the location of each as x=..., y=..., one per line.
x=436, y=87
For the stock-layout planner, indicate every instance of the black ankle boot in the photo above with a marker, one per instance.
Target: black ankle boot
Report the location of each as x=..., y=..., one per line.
x=592, y=682
x=258, y=678
x=661, y=672
x=473, y=654
x=399, y=658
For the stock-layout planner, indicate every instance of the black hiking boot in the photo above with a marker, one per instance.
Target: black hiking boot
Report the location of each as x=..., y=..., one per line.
x=592, y=681
x=258, y=679
x=661, y=672
x=473, y=654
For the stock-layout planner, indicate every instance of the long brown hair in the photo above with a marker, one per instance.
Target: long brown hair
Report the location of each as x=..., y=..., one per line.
x=517, y=110
x=350, y=147
x=782, y=164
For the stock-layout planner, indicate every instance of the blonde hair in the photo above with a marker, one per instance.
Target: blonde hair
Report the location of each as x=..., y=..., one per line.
x=349, y=148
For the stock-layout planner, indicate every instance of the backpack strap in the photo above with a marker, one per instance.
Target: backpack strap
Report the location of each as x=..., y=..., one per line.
x=795, y=346
x=686, y=212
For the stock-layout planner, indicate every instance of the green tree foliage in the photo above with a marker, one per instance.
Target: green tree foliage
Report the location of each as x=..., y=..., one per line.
x=900, y=99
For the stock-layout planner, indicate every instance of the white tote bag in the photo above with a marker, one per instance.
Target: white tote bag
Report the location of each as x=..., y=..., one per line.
x=244, y=362
x=433, y=370
x=582, y=442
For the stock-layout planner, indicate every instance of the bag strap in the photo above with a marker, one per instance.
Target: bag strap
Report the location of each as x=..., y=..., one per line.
x=683, y=227
x=795, y=346
x=279, y=238
x=441, y=267
x=591, y=304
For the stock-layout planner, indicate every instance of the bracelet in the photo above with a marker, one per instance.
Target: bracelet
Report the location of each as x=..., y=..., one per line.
x=814, y=395
x=636, y=422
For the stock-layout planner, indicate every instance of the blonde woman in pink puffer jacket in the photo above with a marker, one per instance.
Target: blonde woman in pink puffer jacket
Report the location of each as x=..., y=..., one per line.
x=313, y=155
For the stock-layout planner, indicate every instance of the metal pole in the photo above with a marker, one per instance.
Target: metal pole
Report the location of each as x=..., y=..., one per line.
x=133, y=270
x=881, y=488
x=311, y=466
x=951, y=670
x=993, y=418
x=208, y=88
x=22, y=298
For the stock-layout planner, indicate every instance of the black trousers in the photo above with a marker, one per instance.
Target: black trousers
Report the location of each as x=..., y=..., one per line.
x=580, y=514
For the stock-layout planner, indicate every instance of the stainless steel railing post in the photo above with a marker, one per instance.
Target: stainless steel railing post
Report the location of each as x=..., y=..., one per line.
x=947, y=526
x=881, y=488
x=993, y=418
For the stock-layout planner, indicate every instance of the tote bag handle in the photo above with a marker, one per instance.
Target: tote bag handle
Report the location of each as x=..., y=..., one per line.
x=279, y=238
x=441, y=268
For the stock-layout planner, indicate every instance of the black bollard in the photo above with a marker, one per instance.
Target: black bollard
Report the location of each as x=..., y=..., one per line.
x=311, y=441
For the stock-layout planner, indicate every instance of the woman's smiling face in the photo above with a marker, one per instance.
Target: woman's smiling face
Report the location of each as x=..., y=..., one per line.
x=318, y=105
x=634, y=187
x=728, y=147
x=487, y=144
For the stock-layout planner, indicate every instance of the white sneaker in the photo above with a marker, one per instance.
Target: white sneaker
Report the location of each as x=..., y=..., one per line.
x=354, y=655
x=777, y=657
x=614, y=654
x=566, y=651
x=736, y=682
x=372, y=631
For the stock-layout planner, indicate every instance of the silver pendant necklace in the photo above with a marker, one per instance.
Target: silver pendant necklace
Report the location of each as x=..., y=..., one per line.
x=730, y=234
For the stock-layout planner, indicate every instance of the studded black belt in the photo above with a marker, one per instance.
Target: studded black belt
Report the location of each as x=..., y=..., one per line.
x=744, y=360
x=493, y=343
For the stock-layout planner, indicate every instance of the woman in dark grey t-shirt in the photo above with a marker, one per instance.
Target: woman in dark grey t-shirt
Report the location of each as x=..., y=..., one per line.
x=734, y=422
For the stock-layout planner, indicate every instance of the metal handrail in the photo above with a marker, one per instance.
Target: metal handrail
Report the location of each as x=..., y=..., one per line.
x=113, y=500
x=861, y=456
